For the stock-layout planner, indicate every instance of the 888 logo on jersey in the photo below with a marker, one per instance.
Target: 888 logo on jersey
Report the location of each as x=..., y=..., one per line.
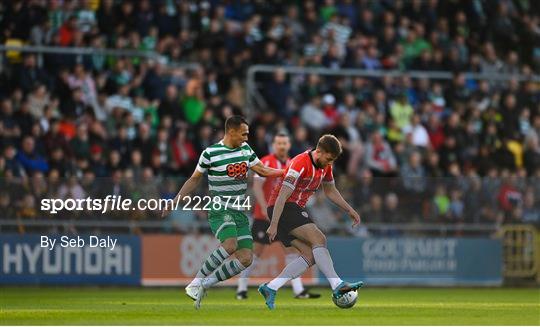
x=237, y=170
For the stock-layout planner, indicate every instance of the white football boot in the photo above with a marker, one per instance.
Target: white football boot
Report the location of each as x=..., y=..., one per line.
x=192, y=289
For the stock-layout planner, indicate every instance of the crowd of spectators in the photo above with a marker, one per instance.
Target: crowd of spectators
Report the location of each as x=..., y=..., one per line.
x=416, y=149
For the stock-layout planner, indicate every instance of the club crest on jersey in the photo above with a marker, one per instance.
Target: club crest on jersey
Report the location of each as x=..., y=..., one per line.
x=305, y=214
x=227, y=218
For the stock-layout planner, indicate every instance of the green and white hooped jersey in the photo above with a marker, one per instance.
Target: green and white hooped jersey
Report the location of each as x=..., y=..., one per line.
x=227, y=172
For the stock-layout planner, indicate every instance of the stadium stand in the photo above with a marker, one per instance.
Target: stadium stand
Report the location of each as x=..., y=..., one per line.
x=458, y=151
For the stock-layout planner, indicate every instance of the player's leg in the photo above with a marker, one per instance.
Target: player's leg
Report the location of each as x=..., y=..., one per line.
x=223, y=227
x=243, y=281
x=230, y=266
x=260, y=240
x=290, y=255
x=312, y=236
x=215, y=259
x=300, y=292
x=292, y=217
x=294, y=269
x=243, y=255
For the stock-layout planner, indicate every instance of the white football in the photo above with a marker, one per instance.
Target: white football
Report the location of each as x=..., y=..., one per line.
x=347, y=300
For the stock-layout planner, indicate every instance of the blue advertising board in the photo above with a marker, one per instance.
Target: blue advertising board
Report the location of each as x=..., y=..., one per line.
x=78, y=260
x=90, y=260
x=418, y=261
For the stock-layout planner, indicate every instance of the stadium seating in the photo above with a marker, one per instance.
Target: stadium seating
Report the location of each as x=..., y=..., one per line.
x=458, y=151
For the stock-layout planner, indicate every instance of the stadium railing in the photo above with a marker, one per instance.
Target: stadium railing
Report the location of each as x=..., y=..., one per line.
x=79, y=51
x=255, y=101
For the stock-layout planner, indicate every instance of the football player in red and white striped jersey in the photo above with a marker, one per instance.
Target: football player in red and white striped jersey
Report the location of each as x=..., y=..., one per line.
x=291, y=223
x=263, y=187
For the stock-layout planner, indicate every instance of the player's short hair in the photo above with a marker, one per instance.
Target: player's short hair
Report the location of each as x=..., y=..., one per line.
x=330, y=144
x=280, y=134
x=234, y=122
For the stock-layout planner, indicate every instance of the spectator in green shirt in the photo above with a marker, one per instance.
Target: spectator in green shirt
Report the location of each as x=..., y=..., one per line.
x=413, y=45
x=193, y=102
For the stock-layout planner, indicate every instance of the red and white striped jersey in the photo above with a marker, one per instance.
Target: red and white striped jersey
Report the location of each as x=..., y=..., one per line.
x=304, y=178
x=270, y=183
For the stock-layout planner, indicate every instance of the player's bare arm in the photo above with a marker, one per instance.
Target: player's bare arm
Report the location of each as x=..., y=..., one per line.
x=333, y=194
x=265, y=171
x=284, y=194
x=258, y=191
x=189, y=186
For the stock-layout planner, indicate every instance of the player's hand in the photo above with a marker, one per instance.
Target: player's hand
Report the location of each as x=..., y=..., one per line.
x=271, y=231
x=355, y=217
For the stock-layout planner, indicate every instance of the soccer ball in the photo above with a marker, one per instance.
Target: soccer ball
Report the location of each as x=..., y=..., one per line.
x=347, y=300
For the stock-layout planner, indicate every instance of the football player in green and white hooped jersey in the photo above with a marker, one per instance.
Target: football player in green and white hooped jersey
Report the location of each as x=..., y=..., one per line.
x=227, y=164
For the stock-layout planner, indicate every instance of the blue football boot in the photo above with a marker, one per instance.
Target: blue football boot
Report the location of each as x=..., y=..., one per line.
x=269, y=295
x=345, y=287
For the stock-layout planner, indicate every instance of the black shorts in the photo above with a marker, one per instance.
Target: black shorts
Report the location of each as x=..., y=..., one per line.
x=293, y=216
x=258, y=231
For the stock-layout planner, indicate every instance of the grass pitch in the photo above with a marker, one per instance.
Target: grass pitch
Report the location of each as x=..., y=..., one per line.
x=376, y=306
